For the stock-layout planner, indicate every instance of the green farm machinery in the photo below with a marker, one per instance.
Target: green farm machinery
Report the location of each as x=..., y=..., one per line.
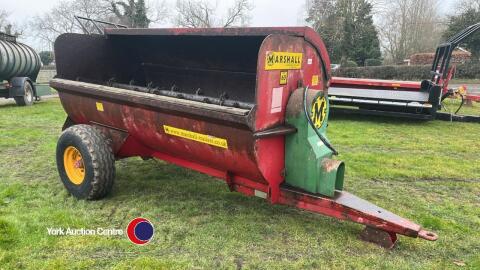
x=19, y=68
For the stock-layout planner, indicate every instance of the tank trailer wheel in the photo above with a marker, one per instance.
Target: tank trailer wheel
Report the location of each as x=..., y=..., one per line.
x=85, y=162
x=27, y=98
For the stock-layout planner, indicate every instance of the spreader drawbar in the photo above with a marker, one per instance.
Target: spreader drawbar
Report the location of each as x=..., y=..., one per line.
x=245, y=105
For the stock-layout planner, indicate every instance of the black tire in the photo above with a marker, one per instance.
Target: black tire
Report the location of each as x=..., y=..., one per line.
x=28, y=98
x=96, y=157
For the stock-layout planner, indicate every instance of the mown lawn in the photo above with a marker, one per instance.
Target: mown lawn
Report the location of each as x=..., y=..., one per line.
x=464, y=81
x=425, y=171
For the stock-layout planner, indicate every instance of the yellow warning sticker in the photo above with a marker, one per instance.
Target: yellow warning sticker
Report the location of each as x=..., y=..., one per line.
x=283, y=77
x=314, y=80
x=283, y=60
x=319, y=111
x=198, y=137
x=99, y=106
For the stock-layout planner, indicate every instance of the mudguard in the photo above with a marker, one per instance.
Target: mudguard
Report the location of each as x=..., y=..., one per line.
x=17, y=86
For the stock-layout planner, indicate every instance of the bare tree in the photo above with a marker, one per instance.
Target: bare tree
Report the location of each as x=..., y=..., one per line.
x=321, y=14
x=131, y=13
x=238, y=14
x=60, y=19
x=409, y=26
x=194, y=14
x=158, y=11
x=138, y=13
x=3, y=18
x=10, y=27
x=464, y=5
x=378, y=7
x=200, y=13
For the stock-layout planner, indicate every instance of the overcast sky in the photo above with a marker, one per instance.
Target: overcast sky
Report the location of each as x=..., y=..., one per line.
x=265, y=12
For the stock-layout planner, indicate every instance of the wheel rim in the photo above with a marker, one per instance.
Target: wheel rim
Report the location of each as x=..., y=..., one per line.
x=28, y=93
x=74, y=166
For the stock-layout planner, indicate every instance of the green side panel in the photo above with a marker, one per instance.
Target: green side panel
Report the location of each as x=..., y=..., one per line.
x=308, y=162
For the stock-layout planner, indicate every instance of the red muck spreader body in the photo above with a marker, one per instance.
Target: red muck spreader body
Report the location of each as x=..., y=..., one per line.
x=246, y=105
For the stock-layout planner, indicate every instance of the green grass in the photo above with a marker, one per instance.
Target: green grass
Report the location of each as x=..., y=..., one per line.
x=425, y=171
x=465, y=81
x=452, y=104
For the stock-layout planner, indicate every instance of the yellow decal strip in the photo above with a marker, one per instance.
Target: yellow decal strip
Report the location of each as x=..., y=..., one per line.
x=283, y=77
x=99, y=106
x=198, y=137
x=283, y=60
x=315, y=80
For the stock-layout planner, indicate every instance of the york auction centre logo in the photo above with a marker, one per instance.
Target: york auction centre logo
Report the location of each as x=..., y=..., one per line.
x=140, y=231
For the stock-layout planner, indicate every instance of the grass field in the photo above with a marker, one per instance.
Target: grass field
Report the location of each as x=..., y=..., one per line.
x=425, y=171
x=464, y=81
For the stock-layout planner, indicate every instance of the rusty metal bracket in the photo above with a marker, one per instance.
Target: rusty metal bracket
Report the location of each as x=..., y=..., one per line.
x=379, y=237
x=427, y=235
x=115, y=136
x=276, y=131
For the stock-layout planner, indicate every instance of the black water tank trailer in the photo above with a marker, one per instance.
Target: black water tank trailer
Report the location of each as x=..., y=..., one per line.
x=19, y=67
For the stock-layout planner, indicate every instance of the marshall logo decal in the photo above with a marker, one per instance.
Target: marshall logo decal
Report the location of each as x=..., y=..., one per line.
x=283, y=60
x=319, y=111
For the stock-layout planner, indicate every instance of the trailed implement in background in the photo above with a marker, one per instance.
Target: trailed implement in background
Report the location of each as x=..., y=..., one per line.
x=19, y=67
x=420, y=100
x=246, y=105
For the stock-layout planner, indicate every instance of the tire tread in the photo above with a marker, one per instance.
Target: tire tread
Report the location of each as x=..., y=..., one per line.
x=103, y=159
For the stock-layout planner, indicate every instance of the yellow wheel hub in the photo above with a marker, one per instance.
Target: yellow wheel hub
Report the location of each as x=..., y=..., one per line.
x=74, y=167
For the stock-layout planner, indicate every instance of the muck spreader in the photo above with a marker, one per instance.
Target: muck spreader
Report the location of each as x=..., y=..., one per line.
x=245, y=105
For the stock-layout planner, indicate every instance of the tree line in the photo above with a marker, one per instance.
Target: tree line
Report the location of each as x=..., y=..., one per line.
x=369, y=32
x=355, y=32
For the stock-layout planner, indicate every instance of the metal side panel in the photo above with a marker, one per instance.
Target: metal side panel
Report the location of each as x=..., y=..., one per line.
x=164, y=103
x=350, y=111
x=392, y=95
x=359, y=102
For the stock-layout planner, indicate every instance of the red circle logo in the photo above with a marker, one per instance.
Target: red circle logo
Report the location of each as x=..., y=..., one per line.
x=140, y=231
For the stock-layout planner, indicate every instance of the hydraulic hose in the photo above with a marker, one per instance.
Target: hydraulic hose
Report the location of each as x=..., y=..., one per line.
x=320, y=136
x=451, y=93
x=461, y=104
